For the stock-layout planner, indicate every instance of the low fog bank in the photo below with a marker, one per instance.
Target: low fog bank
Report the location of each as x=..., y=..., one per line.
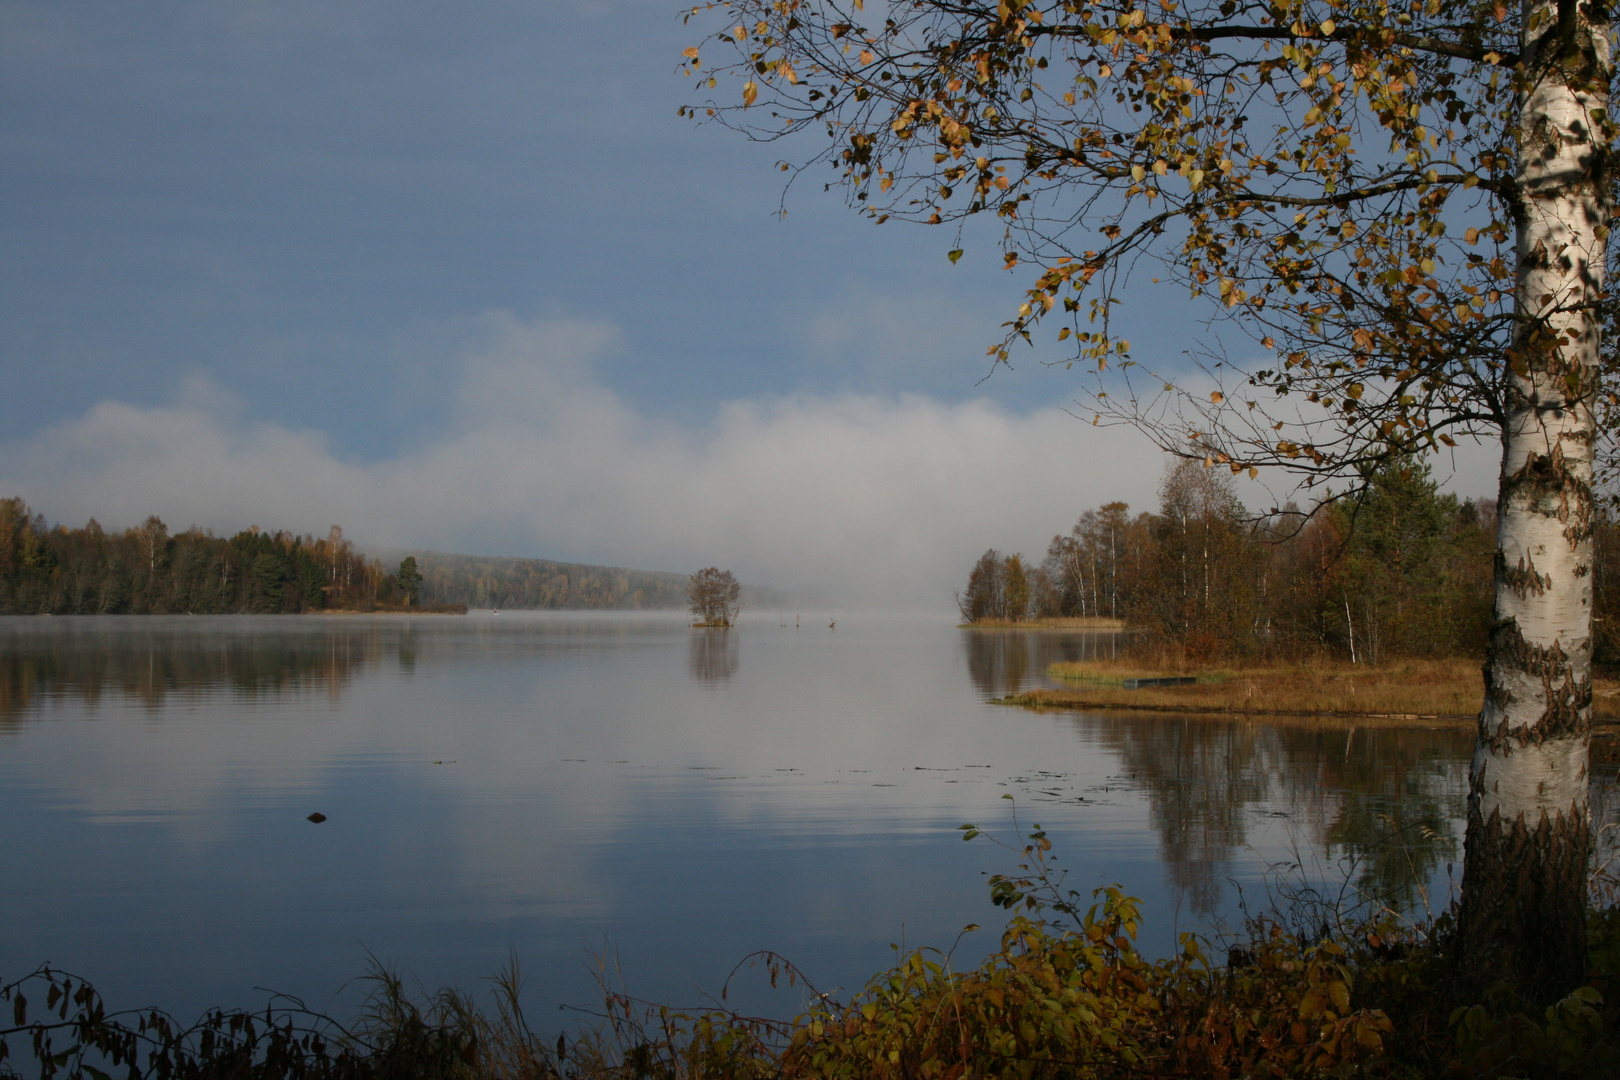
x=876, y=502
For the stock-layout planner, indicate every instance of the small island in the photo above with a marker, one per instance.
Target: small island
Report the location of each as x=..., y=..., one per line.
x=714, y=597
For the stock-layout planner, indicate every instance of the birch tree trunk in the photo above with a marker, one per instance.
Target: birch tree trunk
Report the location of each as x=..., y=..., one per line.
x=1529, y=840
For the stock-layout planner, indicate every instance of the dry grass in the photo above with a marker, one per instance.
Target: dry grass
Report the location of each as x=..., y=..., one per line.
x=1409, y=688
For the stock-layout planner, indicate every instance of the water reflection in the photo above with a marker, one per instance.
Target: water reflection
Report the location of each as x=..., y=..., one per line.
x=813, y=802
x=713, y=655
x=1006, y=661
x=1382, y=801
x=405, y=651
x=86, y=660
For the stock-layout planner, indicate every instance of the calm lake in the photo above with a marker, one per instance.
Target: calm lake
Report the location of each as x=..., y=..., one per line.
x=580, y=788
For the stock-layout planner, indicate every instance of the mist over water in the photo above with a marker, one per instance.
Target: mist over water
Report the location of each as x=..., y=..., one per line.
x=574, y=786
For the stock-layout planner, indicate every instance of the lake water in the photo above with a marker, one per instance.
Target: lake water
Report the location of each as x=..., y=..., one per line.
x=571, y=788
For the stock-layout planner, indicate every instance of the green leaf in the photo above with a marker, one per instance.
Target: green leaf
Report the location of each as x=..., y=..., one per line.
x=954, y=255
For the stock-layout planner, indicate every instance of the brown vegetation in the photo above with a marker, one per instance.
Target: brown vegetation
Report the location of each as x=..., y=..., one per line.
x=1427, y=688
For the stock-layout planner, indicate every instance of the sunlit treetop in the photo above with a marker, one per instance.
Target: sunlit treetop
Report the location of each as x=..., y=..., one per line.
x=1338, y=179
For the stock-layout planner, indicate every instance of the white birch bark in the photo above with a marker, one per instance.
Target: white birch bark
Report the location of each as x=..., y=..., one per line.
x=1529, y=810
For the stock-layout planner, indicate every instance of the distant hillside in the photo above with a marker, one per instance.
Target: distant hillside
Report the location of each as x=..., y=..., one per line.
x=482, y=581
x=491, y=581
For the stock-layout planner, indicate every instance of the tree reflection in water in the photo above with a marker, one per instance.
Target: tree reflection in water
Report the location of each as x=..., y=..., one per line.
x=1606, y=806
x=713, y=655
x=1006, y=661
x=84, y=661
x=1383, y=802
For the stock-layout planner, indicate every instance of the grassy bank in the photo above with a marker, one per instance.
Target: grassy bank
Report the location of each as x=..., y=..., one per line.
x=1428, y=689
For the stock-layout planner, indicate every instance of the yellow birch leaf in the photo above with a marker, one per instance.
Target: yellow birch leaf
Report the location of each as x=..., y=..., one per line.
x=750, y=92
x=690, y=52
x=1217, y=397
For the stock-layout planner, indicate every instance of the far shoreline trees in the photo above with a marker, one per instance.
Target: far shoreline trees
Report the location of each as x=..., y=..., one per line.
x=1405, y=572
x=410, y=580
x=54, y=570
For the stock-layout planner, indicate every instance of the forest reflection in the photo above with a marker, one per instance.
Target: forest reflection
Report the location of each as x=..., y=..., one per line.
x=86, y=662
x=1378, y=805
x=713, y=655
x=1006, y=661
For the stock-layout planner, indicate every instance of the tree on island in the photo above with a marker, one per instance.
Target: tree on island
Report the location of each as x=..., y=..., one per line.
x=1406, y=203
x=1002, y=589
x=985, y=597
x=410, y=580
x=713, y=596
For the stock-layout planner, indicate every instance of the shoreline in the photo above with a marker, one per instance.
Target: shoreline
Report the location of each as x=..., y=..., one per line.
x=1445, y=692
x=1058, y=701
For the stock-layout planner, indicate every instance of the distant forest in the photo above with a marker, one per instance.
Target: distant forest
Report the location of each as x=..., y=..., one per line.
x=1404, y=571
x=540, y=584
x=145, y=570
x=47, y=569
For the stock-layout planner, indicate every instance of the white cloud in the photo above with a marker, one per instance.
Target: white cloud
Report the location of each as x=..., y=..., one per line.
x=884, y=498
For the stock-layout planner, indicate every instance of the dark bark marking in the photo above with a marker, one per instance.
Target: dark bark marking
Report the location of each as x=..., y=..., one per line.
x=1522, y=579
x=1568, y=697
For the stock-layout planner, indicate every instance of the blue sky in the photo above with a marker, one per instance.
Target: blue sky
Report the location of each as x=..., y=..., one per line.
x=292, y=263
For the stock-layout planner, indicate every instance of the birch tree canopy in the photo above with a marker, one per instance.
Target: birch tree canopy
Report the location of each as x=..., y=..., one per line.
x=1402, y=206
